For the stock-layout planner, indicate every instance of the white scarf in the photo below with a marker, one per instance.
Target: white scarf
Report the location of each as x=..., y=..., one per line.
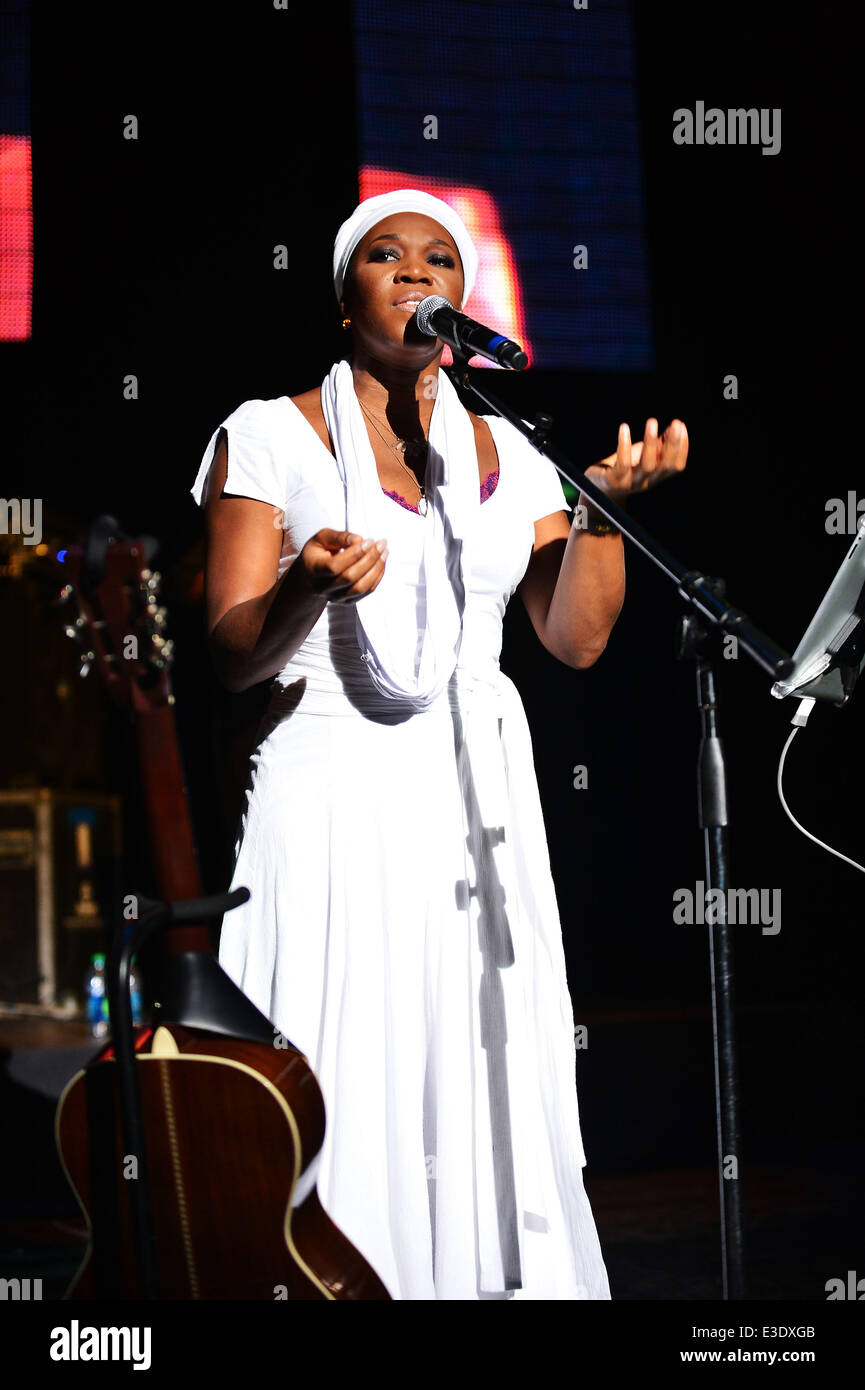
x=410, y=661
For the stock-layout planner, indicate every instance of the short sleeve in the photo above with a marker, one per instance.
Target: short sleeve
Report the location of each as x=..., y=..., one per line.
x=257, y=465
x=545, y=490
x=539, y=481
x=274, y=456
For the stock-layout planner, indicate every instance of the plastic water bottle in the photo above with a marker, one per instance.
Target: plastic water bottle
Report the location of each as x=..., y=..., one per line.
x=97, y=1001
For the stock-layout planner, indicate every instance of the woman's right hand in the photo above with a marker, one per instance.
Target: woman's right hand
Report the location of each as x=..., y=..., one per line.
x=340, y=566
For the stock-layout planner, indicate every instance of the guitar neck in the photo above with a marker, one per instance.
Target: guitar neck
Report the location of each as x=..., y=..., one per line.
x=117, y=598
x=173, y=848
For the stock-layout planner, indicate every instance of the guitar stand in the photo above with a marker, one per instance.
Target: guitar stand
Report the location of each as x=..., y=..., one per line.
x=197, y=993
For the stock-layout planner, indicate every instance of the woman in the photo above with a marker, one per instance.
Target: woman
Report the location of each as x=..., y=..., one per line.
x=364, y=539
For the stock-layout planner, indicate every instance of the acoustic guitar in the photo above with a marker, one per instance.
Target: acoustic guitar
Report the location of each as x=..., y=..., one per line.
x=232, y=1114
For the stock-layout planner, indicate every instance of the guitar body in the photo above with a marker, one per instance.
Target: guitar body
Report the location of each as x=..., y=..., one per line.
x=233, y=1144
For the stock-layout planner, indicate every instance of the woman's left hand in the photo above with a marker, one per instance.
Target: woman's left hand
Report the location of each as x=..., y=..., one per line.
x=636, y=467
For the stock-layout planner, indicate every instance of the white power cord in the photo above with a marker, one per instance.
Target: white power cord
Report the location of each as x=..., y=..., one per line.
x=800, y=719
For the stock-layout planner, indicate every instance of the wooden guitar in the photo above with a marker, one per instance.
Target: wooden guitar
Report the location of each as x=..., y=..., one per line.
x=232, y=1114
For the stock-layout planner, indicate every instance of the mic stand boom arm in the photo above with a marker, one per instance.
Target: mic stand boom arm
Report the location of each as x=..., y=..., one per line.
x=699, y=631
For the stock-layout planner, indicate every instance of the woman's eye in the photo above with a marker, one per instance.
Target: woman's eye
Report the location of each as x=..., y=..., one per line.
x=438, y=257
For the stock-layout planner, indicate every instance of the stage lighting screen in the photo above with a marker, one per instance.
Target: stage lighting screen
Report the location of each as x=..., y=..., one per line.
x=16, y=212
x=524, y=118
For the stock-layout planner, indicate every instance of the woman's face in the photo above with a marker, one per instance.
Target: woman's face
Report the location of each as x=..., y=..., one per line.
x=400, y=261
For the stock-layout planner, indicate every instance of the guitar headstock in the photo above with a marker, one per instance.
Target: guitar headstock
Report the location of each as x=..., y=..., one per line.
x=119, y=620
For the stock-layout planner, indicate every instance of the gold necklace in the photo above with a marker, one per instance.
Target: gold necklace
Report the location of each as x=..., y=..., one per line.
x=402, y=446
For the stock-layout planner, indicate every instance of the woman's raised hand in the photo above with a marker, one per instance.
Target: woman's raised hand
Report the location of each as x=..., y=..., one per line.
x=636, y=467
x=340, y=566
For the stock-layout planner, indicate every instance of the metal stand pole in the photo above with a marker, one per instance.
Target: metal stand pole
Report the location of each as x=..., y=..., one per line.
x=695, y=641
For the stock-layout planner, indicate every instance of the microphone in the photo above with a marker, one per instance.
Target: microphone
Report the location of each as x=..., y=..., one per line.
x=438, y=318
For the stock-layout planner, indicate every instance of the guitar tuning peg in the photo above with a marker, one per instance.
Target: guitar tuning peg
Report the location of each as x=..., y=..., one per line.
x=65, y=595
x=87, y=659
x=73, y=630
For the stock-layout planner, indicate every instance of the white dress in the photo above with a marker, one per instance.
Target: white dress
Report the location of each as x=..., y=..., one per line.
x=403, y=929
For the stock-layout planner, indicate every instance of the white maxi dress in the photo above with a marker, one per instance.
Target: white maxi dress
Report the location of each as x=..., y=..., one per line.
x=403, y=929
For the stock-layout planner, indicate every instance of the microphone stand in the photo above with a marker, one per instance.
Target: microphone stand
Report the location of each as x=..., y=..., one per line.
x=700, y=630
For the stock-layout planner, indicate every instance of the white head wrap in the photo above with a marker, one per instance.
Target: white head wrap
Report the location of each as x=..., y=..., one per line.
x=373, y=210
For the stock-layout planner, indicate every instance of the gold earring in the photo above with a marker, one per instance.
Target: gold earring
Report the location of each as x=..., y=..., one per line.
x=346, y=322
